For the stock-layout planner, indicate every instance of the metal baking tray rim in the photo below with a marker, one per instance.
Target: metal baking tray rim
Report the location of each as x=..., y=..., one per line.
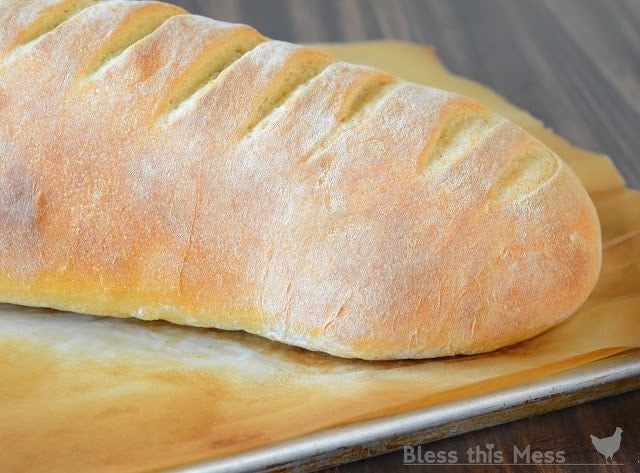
x=361, y=439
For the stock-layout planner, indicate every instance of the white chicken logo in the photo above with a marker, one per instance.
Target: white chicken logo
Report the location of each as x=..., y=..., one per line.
x=608, y=446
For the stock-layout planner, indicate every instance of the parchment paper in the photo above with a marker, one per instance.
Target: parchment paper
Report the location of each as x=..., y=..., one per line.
x=79, y=393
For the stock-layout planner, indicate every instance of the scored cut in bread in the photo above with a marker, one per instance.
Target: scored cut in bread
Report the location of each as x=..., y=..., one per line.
x=160, y=165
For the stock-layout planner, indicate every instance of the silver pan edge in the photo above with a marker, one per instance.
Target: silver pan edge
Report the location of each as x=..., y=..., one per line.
x=595, y=380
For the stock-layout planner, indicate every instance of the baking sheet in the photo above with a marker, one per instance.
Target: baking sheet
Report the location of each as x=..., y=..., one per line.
x=91, y=394
x=605, y=377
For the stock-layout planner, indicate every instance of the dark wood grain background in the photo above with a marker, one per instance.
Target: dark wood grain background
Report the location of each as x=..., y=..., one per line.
x=575, y=64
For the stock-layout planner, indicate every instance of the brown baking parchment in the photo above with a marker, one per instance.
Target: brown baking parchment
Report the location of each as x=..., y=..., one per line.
x=94, y=394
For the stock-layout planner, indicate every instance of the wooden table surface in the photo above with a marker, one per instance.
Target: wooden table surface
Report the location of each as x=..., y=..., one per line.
x=575, y=64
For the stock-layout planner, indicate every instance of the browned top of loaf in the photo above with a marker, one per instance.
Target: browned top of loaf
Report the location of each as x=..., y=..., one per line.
x=165, y=165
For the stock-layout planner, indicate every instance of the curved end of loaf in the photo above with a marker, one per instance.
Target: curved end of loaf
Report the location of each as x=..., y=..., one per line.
x=543, y=275
x=524, y=260
x=561, y=265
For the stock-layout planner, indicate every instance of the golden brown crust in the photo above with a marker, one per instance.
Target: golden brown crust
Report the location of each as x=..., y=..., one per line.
x=162, y=165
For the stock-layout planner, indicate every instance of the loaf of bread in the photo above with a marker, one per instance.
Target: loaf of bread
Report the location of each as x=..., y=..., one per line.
x=160, y=165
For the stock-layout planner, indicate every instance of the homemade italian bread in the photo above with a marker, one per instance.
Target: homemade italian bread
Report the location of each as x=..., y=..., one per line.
x=160, y=165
